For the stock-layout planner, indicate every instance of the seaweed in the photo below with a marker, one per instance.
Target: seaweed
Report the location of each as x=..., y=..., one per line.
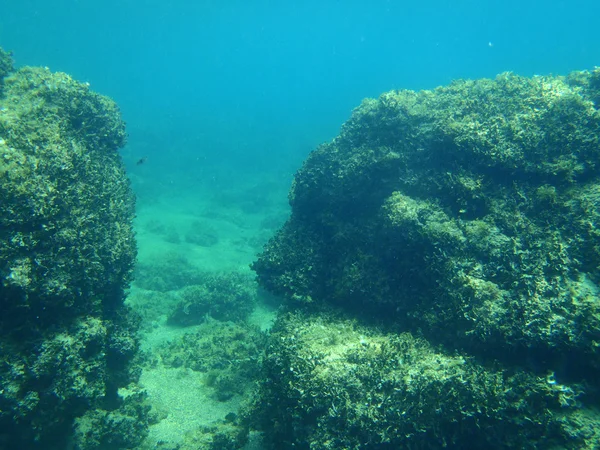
x=67, y=251
x=466, y=216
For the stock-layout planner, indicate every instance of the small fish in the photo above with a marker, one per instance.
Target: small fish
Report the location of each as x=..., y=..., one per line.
x=141, y=161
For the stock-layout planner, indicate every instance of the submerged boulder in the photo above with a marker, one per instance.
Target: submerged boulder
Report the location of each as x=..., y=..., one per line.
x=335, y=383
x=67, y=251
x=470, y=210
x=468, y=214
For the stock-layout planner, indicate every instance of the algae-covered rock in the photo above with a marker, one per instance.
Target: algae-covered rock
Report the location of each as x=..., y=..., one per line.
x=221, y=436
x=124, y=427
x=67, y=241
x=221, y=296
x=172, y=272
x=6, y=65
x=470, y=211
x=334, y=383
x=469, y=215
x=67, y=250
x=227, y=353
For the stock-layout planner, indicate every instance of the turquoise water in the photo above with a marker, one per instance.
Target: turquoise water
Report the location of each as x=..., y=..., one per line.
x=253, y=86
x=224, y=100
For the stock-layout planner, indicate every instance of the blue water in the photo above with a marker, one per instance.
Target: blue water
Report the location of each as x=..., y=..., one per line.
x=258, y=84
x=225, y=99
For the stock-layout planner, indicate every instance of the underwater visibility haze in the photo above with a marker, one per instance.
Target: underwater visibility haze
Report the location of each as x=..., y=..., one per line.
x=310, y=225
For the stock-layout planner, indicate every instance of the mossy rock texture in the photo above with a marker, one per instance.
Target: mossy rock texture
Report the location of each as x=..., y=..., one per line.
x=471, y=209
x=67, y=251
x=6, y=65
x=227, y=353
x=468, y=214
x=331, y=383
x=221, y=296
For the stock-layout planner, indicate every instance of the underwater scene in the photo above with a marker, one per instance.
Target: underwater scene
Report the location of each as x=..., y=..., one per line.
x=316, y=225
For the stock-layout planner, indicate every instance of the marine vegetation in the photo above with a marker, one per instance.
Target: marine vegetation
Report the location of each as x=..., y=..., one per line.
x=336, y=383
x=221, y=296
x=171, y=272
x=466, y=218
x=67, y=250
x=228, y=355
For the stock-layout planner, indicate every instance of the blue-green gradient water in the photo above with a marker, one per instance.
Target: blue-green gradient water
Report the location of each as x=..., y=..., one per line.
x=224, y=100
x=257, y=84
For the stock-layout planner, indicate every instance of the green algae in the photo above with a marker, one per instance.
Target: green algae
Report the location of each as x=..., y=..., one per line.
x=67, y=251
x=337, y=383
x=467, y=216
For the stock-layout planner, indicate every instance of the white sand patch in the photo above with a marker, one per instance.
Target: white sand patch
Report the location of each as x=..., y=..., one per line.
x=186, y=401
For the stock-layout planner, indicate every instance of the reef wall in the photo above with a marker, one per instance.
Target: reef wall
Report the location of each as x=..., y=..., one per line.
x=467, y=216
x=67, y=250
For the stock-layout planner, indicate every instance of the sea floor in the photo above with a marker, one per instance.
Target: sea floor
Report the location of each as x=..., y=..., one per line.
x=208, y=235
